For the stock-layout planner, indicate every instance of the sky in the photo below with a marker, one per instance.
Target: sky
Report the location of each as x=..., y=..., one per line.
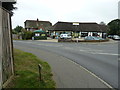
x=65, y=10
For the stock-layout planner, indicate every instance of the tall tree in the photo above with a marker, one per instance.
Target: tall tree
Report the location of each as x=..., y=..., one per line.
x=114, y=26
x=18, y=29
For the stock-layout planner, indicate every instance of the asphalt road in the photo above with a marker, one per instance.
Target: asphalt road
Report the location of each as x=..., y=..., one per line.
x=99, y=58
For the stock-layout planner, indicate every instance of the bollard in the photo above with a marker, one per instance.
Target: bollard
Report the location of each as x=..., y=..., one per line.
x=40, y=72
x=33, y=38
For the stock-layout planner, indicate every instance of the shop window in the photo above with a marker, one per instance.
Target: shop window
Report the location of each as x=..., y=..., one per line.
x=95, y=34
x=43, y=35
x=37, y=34
x=84, y=34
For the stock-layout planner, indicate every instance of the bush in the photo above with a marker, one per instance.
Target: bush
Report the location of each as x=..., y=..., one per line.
x=26, y=35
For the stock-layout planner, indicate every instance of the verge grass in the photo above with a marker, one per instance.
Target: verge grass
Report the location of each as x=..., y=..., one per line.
x=27, y=72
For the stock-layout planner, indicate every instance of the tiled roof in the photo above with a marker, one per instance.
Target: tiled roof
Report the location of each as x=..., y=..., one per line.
x=37, y=24
x=86, y=27
x=36, y=21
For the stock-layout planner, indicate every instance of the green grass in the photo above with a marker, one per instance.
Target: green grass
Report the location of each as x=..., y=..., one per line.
x=27, y=72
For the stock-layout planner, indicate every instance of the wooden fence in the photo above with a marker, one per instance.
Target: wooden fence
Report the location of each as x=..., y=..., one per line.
x=6, y=55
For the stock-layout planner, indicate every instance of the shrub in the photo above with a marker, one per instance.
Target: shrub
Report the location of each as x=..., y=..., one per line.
x=26, y=35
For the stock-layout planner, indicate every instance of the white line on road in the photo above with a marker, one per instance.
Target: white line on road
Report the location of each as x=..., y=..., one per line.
x=99, y=52
x=106, y=53
x=50, y=45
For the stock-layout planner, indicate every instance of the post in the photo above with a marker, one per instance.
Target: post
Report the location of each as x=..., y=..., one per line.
x=8, y=16
x=77, y=40
x=11, y=41
x=40, y=72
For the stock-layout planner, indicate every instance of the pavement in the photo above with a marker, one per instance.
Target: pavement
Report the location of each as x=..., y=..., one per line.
x=49, y=40
x=66, y=73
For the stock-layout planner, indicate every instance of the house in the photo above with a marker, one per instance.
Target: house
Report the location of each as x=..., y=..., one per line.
x=32, y=25
x=6, y=50
x=78, y=29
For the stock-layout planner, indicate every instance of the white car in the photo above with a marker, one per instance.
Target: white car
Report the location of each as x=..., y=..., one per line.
x=65, y=36
x=116, y=37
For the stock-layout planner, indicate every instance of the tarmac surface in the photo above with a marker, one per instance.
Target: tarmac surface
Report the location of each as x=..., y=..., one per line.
x=66, y=73
x=56, y=40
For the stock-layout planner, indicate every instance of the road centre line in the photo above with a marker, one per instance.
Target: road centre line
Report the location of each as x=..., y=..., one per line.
x=99, y=52
x=51, y=45
x=106, y=53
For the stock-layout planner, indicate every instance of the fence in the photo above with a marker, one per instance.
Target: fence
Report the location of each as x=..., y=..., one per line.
x=6, y=59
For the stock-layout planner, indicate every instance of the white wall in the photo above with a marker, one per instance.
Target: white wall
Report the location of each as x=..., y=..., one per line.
x=90, y=34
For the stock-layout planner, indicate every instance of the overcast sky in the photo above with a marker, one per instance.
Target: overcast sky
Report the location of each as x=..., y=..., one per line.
x=65, y=10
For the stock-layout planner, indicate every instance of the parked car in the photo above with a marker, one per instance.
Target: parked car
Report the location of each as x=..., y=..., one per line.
x=110, y=36
x=65, y=36
x=100, y=38
x=93, y=38
x=116, y=37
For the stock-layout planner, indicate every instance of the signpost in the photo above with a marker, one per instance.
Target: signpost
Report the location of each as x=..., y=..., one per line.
x=76, y=24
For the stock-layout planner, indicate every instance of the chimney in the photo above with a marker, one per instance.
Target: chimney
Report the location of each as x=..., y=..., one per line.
x=37, y=19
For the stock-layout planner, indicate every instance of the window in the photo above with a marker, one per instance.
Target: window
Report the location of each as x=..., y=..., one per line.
x=43, y=35
x=37, y=34
x=95, y=34
x=84, y=34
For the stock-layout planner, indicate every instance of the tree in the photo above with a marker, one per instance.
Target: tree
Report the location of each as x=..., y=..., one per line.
x=13, y=31
x=18, y=29
x=114, y=26
x=9, y=7
x=26, y=35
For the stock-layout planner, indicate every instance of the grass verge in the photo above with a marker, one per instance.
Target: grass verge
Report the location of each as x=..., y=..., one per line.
x=27, y=72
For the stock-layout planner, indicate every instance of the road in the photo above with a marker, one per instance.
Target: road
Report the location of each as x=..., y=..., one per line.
x=99, y=58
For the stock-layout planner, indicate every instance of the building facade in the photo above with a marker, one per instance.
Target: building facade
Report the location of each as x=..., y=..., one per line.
x=32, y=25
x=78, y=29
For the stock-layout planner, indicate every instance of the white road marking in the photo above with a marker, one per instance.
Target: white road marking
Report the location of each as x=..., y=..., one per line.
x=91, y=50
x=50, y=45
x=98, y=52
x=106, y=53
